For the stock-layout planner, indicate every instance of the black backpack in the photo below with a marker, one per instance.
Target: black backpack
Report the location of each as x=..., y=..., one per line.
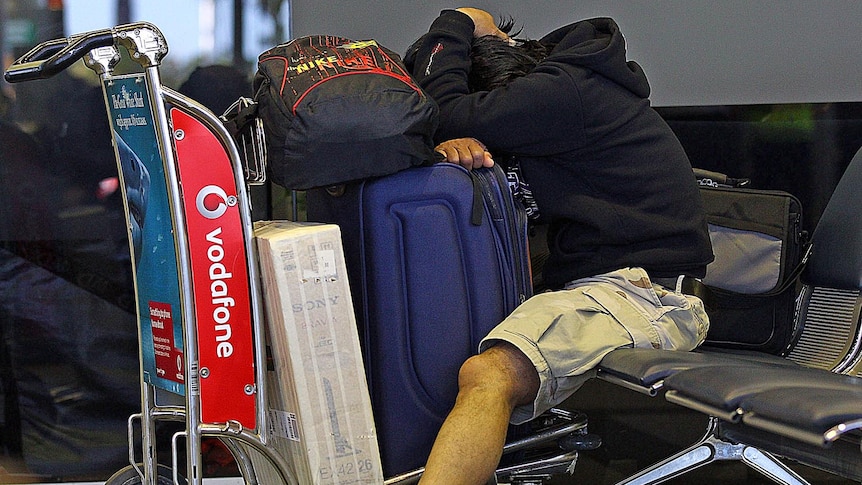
x=336, y=110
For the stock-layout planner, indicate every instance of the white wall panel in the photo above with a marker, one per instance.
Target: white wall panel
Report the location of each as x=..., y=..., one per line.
x=695, y=52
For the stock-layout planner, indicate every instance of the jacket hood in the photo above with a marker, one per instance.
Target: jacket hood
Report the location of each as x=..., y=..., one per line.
x=598, y=44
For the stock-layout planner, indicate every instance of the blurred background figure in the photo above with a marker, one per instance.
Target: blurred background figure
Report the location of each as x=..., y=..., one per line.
x=216, y=86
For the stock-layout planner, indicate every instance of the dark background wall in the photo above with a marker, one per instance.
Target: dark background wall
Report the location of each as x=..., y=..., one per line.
x=695, y=52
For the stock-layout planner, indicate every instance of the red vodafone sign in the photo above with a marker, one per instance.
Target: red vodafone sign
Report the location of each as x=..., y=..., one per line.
x=219, y=274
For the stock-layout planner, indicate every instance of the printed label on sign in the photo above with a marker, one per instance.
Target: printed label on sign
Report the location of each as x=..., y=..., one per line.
x=169, y=359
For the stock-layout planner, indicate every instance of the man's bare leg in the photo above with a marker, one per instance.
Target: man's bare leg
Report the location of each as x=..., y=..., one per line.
x=470, y=442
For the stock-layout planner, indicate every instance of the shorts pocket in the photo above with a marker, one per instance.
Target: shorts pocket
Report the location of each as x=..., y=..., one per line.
x=628, y=314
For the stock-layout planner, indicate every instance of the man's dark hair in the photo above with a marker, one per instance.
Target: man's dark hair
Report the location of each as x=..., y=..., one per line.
x=494, y=62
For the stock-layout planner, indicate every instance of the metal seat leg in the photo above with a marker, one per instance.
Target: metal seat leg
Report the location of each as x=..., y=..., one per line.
x=712, y=448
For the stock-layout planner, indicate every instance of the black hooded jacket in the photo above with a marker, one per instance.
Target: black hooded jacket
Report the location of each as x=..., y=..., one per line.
x=609, y=176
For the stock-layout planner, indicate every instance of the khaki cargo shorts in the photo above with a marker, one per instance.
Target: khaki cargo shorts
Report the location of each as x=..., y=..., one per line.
x=566, y=333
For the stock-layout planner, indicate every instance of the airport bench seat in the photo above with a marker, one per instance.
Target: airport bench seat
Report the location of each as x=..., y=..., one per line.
x=806, y=405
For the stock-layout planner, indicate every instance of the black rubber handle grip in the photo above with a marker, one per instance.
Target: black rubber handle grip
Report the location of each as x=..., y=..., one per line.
x=53, y=56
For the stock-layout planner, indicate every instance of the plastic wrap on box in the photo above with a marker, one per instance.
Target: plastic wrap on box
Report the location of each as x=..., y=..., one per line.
x=319, y=406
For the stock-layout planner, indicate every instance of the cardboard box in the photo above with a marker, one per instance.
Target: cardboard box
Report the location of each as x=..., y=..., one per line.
x=319, y=406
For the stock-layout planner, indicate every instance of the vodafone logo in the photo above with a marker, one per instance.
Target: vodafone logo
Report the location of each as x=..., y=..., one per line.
x=212, y=201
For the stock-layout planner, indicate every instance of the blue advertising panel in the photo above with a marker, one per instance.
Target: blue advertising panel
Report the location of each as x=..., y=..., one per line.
x=150, y=230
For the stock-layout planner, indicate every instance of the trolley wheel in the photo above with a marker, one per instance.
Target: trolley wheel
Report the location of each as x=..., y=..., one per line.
x=129, y=476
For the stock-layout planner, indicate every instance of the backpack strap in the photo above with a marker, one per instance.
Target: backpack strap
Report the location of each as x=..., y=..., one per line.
x=239, y=115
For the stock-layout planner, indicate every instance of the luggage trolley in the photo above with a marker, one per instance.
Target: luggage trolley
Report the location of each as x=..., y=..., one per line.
x=184, y=180
x=196, y=283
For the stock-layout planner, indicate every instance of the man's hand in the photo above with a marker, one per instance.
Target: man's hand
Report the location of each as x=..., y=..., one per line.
x=467, y=152
x=483, y=23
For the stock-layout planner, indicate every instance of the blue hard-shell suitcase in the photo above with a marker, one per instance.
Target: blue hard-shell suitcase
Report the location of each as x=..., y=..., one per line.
x=436, y=257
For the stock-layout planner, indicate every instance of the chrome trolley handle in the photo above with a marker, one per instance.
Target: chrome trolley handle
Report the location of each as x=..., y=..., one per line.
x=145, y=42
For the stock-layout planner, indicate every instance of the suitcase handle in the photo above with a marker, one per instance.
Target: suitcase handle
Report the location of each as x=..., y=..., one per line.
x=476, y=214
x=717, y=179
